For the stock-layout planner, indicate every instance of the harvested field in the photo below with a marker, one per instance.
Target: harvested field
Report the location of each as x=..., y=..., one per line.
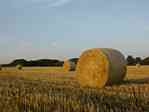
x=48, y=89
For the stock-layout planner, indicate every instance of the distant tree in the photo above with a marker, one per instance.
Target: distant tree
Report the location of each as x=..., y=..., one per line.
x=145, y=61
x=75, y=60
x=41, y=62
x=19, y=62
x=131, y=60
x=0, y=67
x=138, y=60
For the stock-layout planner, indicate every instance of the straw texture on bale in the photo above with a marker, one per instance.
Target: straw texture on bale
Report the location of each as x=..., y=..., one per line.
x=69, y=66
x=100, y=66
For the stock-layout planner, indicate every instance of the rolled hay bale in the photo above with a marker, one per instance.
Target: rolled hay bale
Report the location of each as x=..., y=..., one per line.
x=99, y=67
x=19, y=67
x=69, y=66
x=138, y=65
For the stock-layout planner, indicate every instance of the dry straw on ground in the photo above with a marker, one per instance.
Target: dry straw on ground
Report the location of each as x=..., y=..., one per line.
x=68, y=65
x=100, y=66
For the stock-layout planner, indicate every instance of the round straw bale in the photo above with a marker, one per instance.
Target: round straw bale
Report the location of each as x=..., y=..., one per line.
x=100, y=66
x=69, y=66
x=138, y=65
x=19, y=67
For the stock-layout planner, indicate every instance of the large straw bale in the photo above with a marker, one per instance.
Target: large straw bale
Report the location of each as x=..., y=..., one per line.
x=100, y=66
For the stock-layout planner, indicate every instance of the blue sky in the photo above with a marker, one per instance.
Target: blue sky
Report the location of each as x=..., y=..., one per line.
x=34, y=29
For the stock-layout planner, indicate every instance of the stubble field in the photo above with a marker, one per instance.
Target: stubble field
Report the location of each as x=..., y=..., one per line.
x=49, y=89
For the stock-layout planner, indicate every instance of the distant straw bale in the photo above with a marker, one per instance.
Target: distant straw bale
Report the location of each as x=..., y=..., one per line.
x=100, y=66
x=69, y=66
x=138, y=65
x=19, y=67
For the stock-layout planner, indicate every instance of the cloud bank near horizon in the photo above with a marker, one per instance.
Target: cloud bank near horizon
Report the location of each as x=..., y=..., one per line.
x=40, y=3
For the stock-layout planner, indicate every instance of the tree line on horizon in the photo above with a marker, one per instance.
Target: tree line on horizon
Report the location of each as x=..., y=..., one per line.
x=54, y=62
x=137, y=60
x=40, y=62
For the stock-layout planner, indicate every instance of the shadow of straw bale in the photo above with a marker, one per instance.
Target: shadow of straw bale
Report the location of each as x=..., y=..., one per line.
x=137, y=81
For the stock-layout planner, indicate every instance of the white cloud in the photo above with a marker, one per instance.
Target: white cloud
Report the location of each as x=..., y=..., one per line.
x=41, y=0
x=59, y=3
x=39, y=3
